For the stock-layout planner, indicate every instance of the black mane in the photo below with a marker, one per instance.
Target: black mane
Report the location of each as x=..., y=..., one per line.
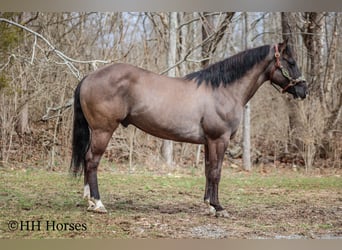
x=230, y=69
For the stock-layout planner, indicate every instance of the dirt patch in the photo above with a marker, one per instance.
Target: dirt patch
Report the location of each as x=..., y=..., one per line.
x=208, y=232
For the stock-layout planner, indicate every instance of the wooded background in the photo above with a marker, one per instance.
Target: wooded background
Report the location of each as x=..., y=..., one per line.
x=44, y=55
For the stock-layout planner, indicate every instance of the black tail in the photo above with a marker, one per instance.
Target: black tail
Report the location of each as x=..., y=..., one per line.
x=80, y=137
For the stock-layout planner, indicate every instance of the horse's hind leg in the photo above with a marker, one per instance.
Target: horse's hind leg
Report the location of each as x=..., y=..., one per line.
x=98, y=144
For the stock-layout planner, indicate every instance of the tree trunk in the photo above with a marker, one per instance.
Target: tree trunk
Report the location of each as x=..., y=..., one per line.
x=313, y=34
x=197, y=39
x=247, y=165
x=332, y=90
x=333, y=95
x=288, y=25
x=167, y=145
x=313, y=37
x=22, y=124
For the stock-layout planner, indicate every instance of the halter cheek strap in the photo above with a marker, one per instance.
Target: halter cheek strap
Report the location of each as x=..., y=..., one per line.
x=284, y=72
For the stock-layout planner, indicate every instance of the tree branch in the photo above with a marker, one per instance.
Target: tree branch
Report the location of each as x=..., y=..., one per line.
x=47, y=116
x=192, y=49
x=67, y=60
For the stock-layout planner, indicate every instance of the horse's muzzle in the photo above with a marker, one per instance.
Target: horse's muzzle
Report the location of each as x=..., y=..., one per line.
x=300, y=90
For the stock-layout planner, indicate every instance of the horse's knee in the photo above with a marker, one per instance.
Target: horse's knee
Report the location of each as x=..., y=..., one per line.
x=214, y=176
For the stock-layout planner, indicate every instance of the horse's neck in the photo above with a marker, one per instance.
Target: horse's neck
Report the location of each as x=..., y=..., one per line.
x=252, y=81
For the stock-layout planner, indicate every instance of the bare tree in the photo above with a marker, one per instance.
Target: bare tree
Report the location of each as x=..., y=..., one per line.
x=333, y=85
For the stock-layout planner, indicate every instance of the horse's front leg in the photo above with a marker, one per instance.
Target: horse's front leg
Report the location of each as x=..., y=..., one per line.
x=214, y=154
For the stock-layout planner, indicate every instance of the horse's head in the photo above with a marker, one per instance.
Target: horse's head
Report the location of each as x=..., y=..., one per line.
x=285, y=73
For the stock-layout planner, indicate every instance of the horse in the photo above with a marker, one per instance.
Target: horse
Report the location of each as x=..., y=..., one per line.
x=203, y=107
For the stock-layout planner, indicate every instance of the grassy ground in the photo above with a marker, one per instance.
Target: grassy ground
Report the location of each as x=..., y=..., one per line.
x=147, y=205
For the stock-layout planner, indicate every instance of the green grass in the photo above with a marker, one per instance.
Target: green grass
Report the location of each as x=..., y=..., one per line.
x=153, y=206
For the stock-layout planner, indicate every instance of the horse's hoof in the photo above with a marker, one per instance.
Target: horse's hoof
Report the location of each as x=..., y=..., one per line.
x=222, y=213
x=212, y=210
x=96, y=207
x=91, y=206
x=100, y=210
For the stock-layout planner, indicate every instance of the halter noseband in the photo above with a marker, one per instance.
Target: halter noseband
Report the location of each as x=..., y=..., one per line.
x=284, y=72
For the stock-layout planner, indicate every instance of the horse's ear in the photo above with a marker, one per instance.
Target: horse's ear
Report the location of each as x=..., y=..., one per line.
x=282, y=46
